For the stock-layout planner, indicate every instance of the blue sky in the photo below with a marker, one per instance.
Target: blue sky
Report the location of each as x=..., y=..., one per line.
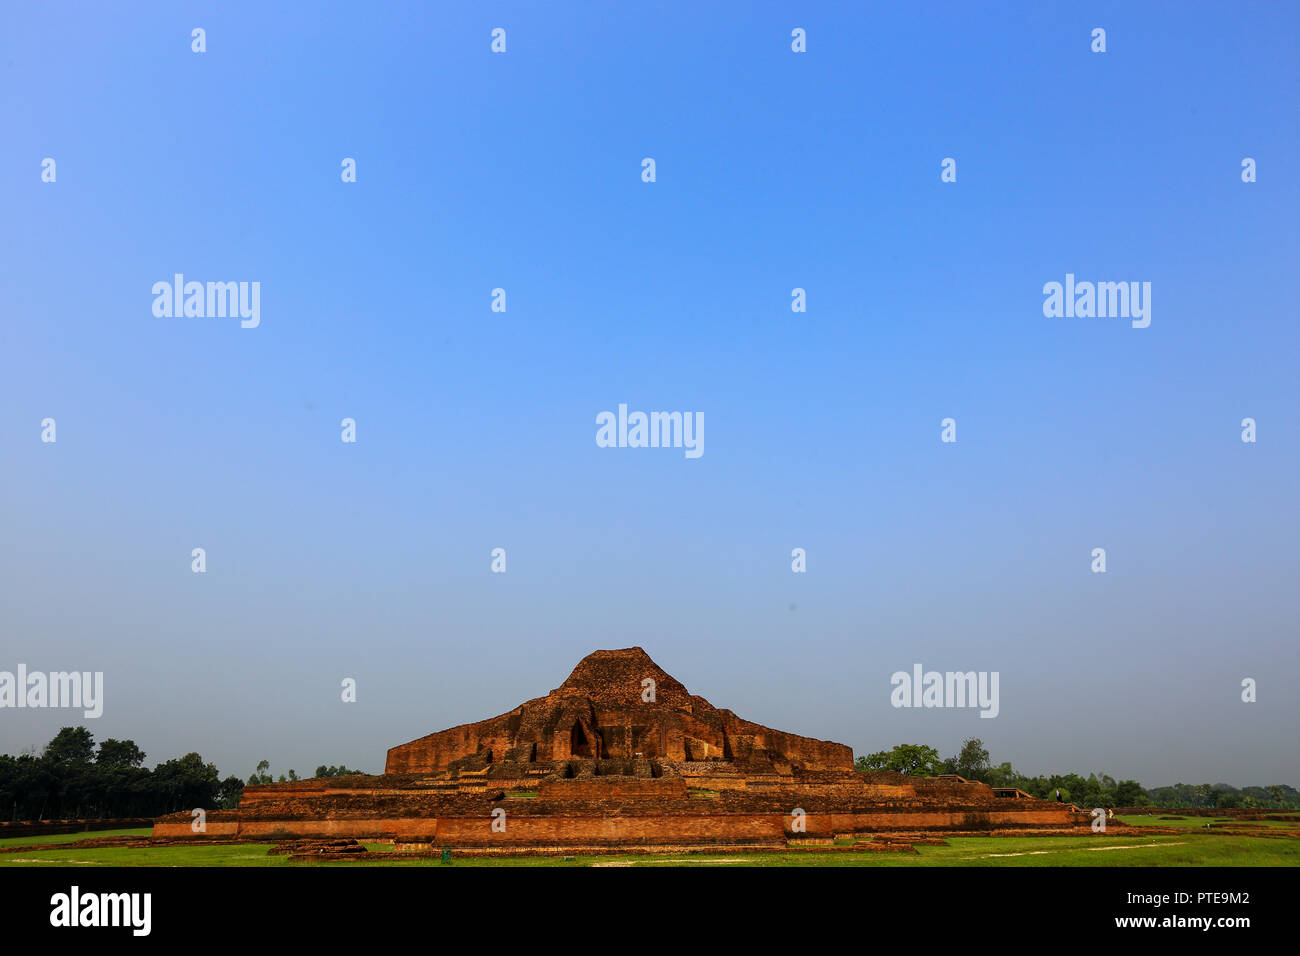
x=476, y=429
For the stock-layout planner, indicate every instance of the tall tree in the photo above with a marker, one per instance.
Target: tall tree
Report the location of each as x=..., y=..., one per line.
x=119, y=753
x=71, y=746
x=972, y=761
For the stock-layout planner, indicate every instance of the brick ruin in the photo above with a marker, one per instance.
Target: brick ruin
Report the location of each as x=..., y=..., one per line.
x=620, y=755
x=616, y=705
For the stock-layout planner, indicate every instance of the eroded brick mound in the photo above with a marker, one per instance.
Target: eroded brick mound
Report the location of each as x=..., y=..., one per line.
x=601, y=712
x=317, y=848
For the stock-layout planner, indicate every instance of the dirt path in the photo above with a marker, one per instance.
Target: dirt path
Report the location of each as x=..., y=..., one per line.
x=676, y=862
x=59, y=862
x=1091, y=849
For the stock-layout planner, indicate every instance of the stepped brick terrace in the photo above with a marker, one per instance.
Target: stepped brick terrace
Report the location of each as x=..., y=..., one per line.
x=620, y=756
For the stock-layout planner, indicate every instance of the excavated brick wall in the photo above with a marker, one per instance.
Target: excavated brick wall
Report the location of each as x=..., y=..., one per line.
x=617, y=789
x=609, y=809
x=576, y=827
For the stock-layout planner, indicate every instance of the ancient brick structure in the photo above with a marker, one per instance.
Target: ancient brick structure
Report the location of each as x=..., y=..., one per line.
x=617, y=705
x=620, y=755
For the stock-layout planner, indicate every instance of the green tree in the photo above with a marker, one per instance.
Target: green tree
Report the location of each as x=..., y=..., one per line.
x=1129, y=793
x=187, y=783
x=342, y=771
x=119, y=753
x=875, y=761
x=915, y=760
x=231, y=789
x=71, y=746
x=972, y=761
x=1003, y=775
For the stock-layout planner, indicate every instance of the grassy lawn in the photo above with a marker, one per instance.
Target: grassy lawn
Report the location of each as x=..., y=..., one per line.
x=1198, y=823
x=240, y=854
x=1190, y=849
x=73, y=837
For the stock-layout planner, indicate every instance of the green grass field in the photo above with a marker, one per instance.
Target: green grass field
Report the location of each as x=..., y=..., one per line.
x=72, y=837
x=1198, y=823
x=1178, y=849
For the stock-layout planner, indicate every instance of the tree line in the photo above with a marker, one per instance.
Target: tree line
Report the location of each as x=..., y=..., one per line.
x=973, y=763
x=73, y=778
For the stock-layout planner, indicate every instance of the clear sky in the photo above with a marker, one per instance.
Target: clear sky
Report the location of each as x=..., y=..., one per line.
x=476, y=429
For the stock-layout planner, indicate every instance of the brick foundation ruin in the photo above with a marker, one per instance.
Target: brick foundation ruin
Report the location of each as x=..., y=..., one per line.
x=620, y=755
